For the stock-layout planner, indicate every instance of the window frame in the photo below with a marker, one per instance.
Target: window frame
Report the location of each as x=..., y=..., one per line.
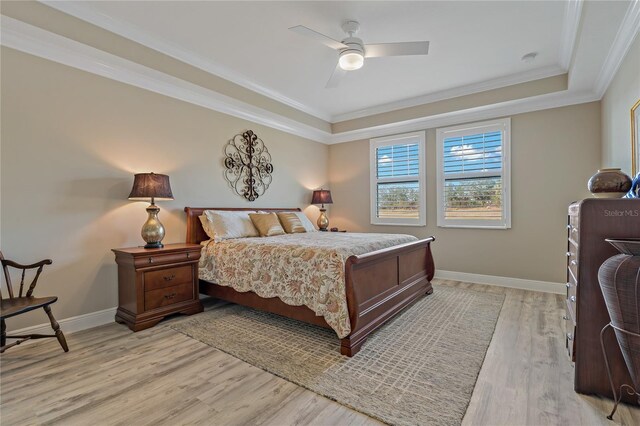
x=504, y=126
x=376, y=143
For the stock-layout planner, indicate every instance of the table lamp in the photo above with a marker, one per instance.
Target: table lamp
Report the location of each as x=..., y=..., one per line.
x=155, y=187
x=322, y=196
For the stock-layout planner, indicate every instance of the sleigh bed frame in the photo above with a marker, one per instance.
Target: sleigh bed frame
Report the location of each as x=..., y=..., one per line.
x=378, y=284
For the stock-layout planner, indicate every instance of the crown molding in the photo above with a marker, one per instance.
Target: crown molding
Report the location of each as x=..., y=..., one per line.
x=628, y=31
x=168, y=48
x=38, y=42
x=570, y=29
x=486, y=112
x=468, y=89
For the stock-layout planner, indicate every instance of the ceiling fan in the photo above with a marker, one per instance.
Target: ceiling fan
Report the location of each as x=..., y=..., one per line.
x=353, y=51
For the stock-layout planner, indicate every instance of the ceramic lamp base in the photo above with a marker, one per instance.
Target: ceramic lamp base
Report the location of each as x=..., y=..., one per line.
x=153, y=230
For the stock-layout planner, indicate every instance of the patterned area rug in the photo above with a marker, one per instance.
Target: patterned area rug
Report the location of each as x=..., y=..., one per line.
x=419, y=369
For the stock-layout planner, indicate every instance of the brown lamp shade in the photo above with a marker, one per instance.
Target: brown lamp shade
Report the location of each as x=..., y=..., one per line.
x=321, y=196
x=151, y=185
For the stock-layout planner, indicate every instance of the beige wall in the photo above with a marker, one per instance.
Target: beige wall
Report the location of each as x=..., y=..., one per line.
x=622, y=94
x=71, y=142
x=554, y=152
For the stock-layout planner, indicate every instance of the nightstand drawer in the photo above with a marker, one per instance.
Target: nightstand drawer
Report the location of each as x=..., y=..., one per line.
x=167, y=296
x=162, y=278
x=158, y=258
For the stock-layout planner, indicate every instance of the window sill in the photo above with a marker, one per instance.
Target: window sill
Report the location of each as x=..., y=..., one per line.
x=498, y=227
x=397, y=224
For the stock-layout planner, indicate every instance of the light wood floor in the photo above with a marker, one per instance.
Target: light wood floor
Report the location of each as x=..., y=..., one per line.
x=159, y=376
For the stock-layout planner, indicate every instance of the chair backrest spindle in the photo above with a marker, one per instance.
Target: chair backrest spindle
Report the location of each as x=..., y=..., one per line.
x=7, y=277
x=21, y=282
x=33, y=283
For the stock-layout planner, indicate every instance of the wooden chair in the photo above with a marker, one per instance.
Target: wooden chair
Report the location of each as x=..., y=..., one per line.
x=13, y=306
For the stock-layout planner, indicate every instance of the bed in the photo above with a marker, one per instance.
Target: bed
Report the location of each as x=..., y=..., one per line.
x=377, y=284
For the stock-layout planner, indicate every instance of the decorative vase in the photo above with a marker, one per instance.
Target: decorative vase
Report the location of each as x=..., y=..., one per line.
x=619, y=278
x=609, y=183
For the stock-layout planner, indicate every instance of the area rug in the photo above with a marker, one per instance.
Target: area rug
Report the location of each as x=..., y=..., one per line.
x=418, y=369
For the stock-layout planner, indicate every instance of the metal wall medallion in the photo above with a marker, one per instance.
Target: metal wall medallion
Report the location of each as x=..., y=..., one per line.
x=248, y=165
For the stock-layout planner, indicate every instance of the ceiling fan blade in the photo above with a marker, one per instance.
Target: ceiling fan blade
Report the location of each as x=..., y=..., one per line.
x=396, y=49
x=328, y=41
x=335, y=78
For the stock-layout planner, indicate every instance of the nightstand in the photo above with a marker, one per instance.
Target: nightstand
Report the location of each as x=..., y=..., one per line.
x=154, y=283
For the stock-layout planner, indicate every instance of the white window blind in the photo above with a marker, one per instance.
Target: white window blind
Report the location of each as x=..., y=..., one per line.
x=397, y=180
x=473, y=175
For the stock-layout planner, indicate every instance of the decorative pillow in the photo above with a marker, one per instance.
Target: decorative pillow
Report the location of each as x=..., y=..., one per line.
x=306, y=222
x=229, y=224
x=267, y=224
x=291, y=223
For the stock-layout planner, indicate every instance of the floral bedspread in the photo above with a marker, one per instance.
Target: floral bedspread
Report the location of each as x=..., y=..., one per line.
x=300, y=269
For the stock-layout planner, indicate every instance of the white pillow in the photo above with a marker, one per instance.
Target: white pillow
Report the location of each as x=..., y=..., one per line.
x=308, y=226
x=207, y=226
x=230, y=224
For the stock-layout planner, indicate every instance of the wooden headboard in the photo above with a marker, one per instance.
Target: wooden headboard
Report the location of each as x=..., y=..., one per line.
x=195, y=233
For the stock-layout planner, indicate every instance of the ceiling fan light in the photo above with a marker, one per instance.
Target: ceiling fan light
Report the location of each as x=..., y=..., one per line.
x=351, y=60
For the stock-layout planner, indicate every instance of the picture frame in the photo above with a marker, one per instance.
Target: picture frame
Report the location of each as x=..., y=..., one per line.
x=635, y=138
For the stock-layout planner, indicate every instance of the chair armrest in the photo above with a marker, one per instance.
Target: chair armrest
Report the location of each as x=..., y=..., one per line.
x=6, y=262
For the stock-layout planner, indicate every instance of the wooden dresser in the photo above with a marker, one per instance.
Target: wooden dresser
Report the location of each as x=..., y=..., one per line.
x=590, y=221
x=154, y=283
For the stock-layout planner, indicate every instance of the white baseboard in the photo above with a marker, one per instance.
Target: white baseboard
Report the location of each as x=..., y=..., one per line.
x=106, y=316
x=519, y=283
x=73, y=324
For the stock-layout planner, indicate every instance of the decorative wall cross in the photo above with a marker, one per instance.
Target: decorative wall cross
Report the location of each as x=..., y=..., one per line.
x=248, y=165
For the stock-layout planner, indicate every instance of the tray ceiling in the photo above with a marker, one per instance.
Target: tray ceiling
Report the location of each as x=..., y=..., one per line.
x=471, y=42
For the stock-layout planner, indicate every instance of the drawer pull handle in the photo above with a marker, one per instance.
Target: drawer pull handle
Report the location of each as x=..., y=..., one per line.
x=572, y=298
x=188, y=255
x=151, y=260
x=569, y=336
x=568, y=254
x=170, y=277
x=568, y=226
x=169, y=296
x=568, y=285
x=566, y=318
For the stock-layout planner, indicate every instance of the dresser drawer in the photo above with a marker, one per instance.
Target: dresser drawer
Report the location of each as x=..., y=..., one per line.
x=168, y=277
x=167, y=296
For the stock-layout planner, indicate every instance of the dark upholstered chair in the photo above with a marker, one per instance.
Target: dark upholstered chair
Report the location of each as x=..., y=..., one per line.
x=16, y=305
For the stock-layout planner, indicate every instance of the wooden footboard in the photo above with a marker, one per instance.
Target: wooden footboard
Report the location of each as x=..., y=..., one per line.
x=382, y=283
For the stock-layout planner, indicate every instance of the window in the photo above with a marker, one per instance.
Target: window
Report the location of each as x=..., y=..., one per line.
x=398, y=180
x=474, y=175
